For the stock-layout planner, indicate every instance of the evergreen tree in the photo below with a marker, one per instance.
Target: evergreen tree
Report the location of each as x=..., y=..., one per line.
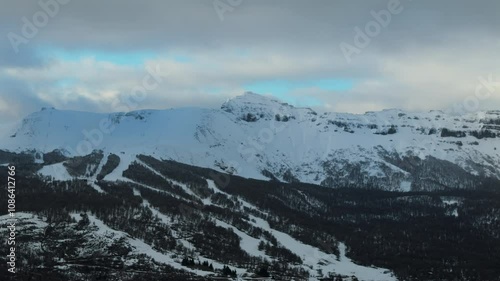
x=263, y=272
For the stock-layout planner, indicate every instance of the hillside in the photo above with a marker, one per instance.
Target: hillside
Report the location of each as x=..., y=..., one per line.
x=258, y=137
x=163, y=220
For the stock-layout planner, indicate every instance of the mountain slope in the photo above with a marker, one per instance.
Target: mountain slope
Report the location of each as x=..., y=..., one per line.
x=262, y=138
x=163, y=220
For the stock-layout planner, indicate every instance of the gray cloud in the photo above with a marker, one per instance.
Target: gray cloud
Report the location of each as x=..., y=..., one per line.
x=17, y=99
x=127, y=24
x=429, y=56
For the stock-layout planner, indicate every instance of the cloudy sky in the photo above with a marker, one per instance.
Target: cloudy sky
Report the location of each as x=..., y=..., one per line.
x=349, y=56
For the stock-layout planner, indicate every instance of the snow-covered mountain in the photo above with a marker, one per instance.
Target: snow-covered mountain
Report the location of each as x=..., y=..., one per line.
x=260, y=137
x=110, y=197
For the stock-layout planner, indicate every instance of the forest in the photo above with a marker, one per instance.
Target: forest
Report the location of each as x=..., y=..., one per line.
x=451, y=234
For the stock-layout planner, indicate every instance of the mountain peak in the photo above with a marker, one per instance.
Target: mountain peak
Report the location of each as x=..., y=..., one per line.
x=253, y=98
x=260, y=106
x=47, y=108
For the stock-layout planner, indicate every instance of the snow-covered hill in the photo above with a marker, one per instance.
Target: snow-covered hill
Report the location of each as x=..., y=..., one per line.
x=260, y=137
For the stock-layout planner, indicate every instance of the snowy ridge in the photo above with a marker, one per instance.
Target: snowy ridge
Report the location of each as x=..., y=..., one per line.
x=251, y=134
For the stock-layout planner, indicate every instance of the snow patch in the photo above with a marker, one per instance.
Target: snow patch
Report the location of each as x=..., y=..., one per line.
x=56, y=171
